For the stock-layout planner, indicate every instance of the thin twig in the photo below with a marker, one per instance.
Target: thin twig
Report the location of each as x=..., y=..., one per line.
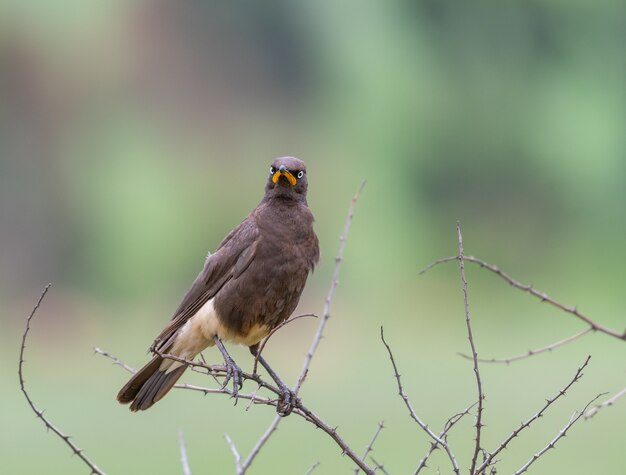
x=609, y=402
x=331, y=291
x=450, y=423
x=65, y=438
x=370, y=446
x=114, y=359
x=532, y=291
x=479, y=384
x=260, y=443
x=530, y=353
x=274, y=330
x=311, y=468
x=490, y=456
x=332, y=432
x=183, y=453
x=414, y=416
x=233, y=449
x=562, y=433
x=379, y=466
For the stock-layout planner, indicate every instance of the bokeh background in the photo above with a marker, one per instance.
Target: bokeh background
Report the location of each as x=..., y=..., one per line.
x=135, y=135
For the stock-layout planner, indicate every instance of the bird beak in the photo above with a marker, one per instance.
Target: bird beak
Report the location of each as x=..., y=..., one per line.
x=286, y=173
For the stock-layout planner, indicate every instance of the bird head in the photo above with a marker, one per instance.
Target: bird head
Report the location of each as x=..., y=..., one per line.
x=287, y=179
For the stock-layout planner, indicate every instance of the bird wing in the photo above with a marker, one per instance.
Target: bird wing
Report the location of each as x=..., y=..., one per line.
x=232, y=257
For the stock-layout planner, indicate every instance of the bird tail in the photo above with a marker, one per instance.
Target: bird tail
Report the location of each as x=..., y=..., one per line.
x=150, y=383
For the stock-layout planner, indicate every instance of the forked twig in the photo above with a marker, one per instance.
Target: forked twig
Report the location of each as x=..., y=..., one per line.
x=562, y=433
x=532, y=291
x=274, y=330
x=260, y=443
x=235, y=452
x=370, y=446
x=414, y=416
x=609, y=402
x=530, y=353
x=490, y=456
x=65, y=438
x=333, y=285
x=479, y=384
x=443, y=435
x=379, y=466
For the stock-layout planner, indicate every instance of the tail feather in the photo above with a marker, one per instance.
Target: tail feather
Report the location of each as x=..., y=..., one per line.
x=149, y=385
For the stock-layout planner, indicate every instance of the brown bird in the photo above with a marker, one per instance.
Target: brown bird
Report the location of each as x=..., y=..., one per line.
x=249, y=286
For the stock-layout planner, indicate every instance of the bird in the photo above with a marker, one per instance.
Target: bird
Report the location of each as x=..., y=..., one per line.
x=247, y=287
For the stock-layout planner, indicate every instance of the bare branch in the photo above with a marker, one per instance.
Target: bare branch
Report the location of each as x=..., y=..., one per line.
x=183, y=454
x=530, y=353
x=331, y=292
x=116, y=360
x=65, y=438
x=220, y=370
x=490, y=457
x=535, y=293
x=370, y=446
x=379, y=466
x=260, y=443
x=265, y=340
x=414, y=416
x=301, y=410
x=332, y=432
x=233, y=449
x=562, y=433
x=479, y=385
x=442, y=435
x=609, y=402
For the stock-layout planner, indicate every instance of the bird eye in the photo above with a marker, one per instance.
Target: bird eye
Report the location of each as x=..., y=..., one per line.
x=272, y=170
x=300, y=174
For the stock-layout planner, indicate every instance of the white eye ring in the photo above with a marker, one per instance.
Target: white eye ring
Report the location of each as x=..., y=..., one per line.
x=300, y=174
x=272, y=170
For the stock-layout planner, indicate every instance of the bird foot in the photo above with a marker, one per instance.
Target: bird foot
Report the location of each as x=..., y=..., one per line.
x=233, y=372
x=287, y=401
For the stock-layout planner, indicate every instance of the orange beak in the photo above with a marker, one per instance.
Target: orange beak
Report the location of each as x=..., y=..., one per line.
x=285, y=173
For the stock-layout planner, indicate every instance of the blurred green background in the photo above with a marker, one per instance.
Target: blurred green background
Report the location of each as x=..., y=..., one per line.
x=135, y=135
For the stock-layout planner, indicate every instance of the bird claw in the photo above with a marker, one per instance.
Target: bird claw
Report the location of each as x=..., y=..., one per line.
x=287, y=401
x=233, y=372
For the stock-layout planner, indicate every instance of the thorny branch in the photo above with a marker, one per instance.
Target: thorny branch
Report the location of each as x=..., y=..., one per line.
x=442, y=435
x=414, y=416
x=479, y=384
x=65, y=438
x=562, y=433
x=331, y=291
x=491, y=456
x=274, y=330
x=532, y=291
x=530, y=353
x=370, y=446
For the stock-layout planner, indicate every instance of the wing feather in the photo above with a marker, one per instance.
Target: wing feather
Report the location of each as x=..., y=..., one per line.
x=231, y=258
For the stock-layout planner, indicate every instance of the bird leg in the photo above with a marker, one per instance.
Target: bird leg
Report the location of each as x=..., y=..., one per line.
x=288, y=399
x=232, y=370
